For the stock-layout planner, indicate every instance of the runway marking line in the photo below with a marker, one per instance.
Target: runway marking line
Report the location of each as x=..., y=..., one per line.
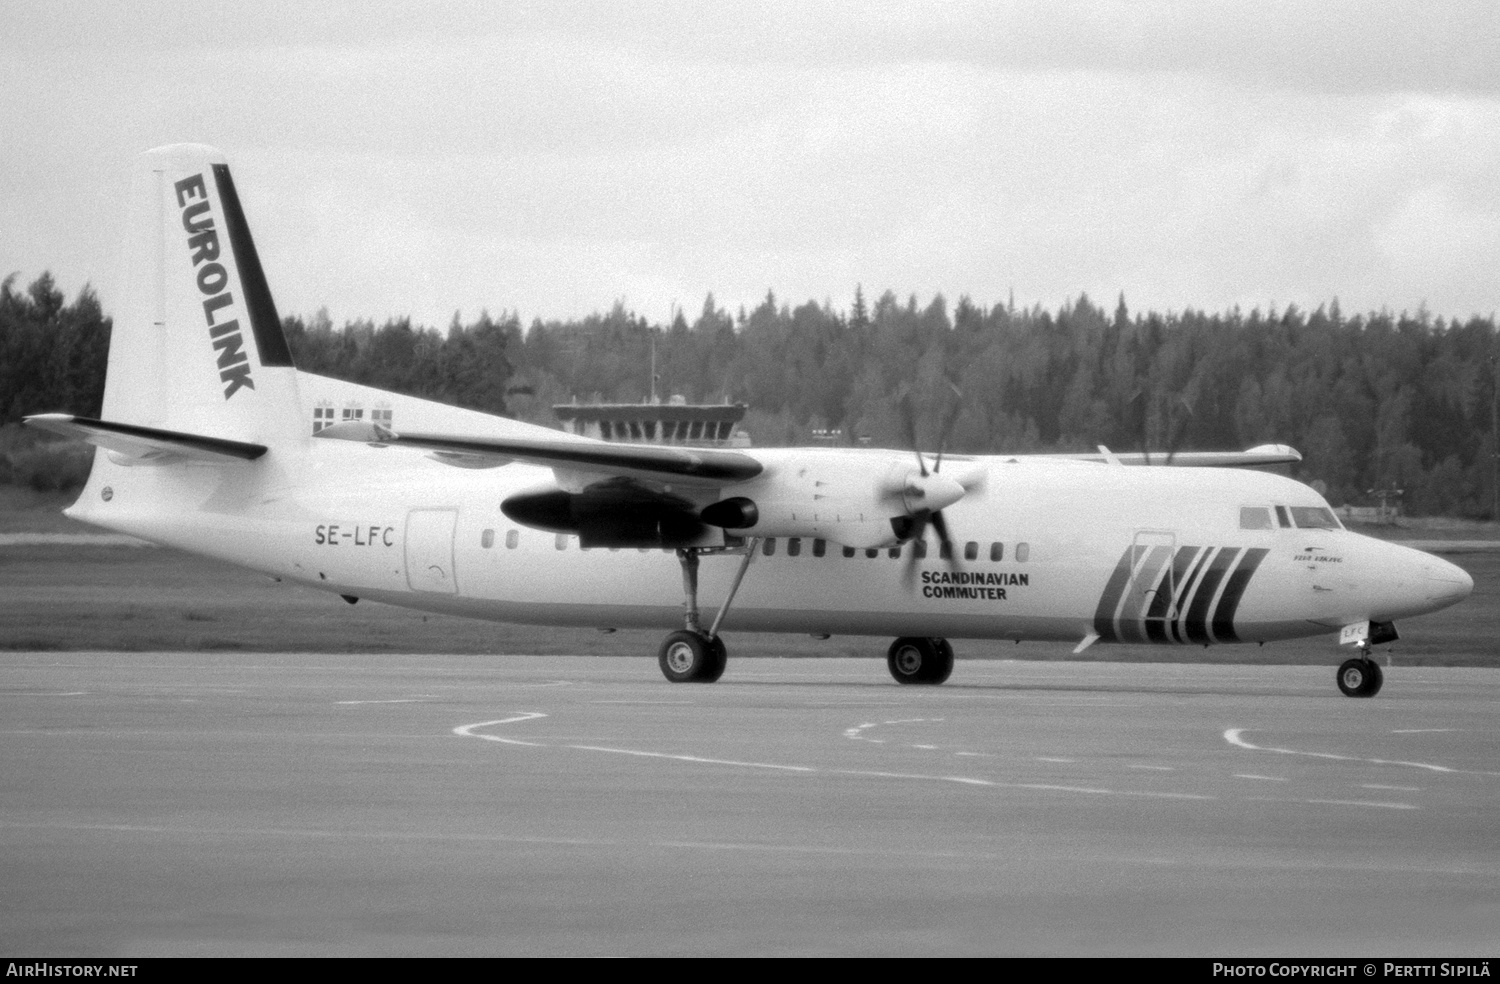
x=472, y=731
x=1235, y=736
x=1251, y=775
x=1422, y=731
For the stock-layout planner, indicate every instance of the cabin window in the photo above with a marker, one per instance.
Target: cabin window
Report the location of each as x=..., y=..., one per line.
x=487, y=539
x=695, y=432
x=606, y=430
x=820, y=547
x=919, y=549
x=971, y=550
x=895, y=552
x=512, y=537
x=1285, y=520
x=848, y=551
x=562, y=541
x=769, y=547
x=945, y=551
x=793, y=546
x=872, y=553
x=724, y=430
x=1023, y=552
x=635, y=430
x=322, y=417
x=997, y=551
x=1255, y=518
x=1314, y=518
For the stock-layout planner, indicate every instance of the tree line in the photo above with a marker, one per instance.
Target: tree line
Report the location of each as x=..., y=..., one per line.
x=1373, y=401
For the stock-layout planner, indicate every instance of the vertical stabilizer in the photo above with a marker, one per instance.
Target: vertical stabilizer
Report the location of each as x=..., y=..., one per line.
x=197, y=346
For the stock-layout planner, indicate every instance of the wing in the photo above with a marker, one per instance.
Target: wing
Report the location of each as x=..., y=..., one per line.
x=1264, y=454
x=147, y=445
x=678, y=466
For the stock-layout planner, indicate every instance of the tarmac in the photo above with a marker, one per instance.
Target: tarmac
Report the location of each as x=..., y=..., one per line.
x=156, y=804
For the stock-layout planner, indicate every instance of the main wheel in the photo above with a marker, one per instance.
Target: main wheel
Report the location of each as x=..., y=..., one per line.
x=687, y=657
x=718, y=659
x=944, y=668
x=917, y=660
x=1360, y=677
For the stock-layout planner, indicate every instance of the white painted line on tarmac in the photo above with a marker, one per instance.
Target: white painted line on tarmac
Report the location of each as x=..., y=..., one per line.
x=1422, y=731
x=1333, y=802
x=403, y=700
x=1235, y=736
x=698, y=759
x=1061, y=761
x=471, y=730
x=1251, y=775
x=1155, y=768
x=1398, y=789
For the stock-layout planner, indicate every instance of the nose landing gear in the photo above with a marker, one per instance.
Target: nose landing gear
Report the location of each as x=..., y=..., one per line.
x=1361, y=676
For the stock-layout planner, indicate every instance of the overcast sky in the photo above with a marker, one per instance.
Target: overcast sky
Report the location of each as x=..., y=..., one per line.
x=552, y=158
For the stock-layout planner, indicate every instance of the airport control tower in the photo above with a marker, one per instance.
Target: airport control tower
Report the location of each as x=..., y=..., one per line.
x=675, y=422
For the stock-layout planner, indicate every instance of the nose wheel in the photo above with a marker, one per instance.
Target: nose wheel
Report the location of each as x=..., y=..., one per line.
x=1360, y=677
x=919, y=660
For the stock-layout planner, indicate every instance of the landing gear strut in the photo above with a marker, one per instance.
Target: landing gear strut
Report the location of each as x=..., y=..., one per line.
x=1361, y=676
x=920, y=660
x=692, y=655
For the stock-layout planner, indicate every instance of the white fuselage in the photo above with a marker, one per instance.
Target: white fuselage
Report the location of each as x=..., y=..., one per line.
x=1062, y=550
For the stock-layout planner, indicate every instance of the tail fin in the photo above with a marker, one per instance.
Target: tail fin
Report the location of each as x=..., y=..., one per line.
x=197, y=346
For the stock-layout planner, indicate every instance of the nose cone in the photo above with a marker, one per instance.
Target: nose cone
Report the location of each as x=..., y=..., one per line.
x=1447, y=584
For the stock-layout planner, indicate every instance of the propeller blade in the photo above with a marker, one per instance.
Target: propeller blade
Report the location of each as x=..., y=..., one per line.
x=918, y=531
x=949, y=420
x=940, y=526
x=909, y=426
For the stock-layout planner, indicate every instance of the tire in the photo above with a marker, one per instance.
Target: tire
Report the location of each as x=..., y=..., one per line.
x=718, y=660
x=1359, y=677
x=916, y=660
x=944, y=667
x=687, y=657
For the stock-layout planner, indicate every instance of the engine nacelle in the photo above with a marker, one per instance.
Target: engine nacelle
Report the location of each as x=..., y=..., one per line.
x=613, y=513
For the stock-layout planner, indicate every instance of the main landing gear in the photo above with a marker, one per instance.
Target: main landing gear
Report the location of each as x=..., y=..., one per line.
x=1361, y=676
x=918, y=660
x=692, y=655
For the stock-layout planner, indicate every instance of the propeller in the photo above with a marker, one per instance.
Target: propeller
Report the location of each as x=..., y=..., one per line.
x=1177, y=412
x=927, y=493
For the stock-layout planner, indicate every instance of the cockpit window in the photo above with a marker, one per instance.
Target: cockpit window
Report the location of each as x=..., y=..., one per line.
x=1255, y=518
x=1314, y=518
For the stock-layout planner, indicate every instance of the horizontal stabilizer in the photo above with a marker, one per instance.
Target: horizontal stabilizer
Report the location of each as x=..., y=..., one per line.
x=147, y=444
x=684, y=466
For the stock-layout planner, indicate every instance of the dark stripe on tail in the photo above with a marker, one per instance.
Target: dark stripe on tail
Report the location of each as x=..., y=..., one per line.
x=263, y=320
